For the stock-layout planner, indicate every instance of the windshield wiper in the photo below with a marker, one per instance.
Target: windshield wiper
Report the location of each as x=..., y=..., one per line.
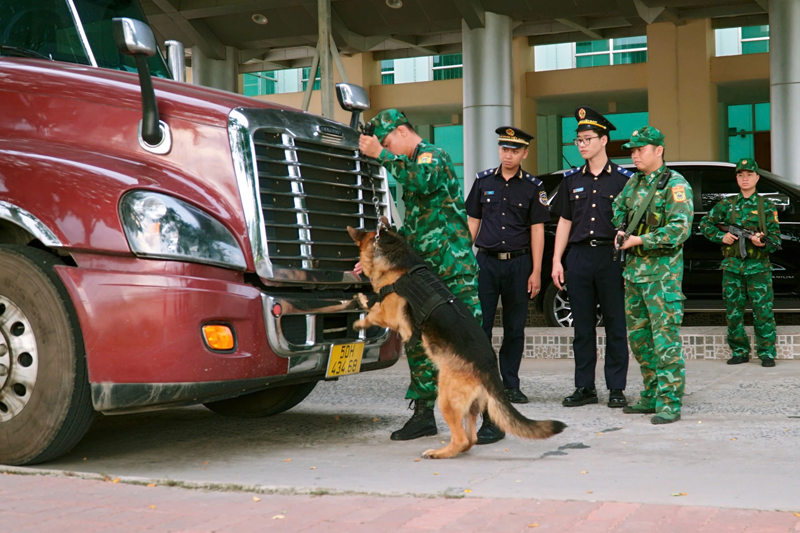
x=21, y=52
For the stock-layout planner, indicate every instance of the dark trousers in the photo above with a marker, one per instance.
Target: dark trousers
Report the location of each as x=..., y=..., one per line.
x=507, y=279
x=594, y=278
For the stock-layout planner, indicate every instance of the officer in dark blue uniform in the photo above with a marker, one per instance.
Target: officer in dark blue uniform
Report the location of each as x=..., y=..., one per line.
x=507, y=208
x=583, y=203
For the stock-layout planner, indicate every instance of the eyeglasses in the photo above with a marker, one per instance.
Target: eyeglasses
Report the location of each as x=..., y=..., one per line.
x=583, y=142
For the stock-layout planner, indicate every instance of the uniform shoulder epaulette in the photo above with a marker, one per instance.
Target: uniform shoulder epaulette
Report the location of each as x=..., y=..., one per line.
x=625, y=172
x=532, y=179
x=571, y=171
x=487, y=172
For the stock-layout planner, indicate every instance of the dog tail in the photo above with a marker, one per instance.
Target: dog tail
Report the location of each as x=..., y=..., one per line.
x=507, y=418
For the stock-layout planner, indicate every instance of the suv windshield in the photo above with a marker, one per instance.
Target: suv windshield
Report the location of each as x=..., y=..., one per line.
x=53, y=29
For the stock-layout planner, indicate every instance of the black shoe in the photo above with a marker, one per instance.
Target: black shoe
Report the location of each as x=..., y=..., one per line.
x=489, y=433
x=516, y=396
x=768, y=361
x=581, y=396
x=738, y=360
x=616, y=398
x=421, y=424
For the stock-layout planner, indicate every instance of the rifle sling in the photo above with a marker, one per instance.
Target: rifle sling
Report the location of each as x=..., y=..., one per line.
x=637, y=216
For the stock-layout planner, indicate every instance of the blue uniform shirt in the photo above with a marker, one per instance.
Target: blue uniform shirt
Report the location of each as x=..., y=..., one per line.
x=587, y=200
x=507, y=209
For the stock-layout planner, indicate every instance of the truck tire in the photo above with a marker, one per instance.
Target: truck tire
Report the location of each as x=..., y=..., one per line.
x=557, y=310
x=45, y=399
x=263, y=403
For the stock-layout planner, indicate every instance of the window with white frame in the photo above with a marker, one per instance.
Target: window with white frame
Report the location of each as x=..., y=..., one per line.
x=447, y=67
x=741, y=41
x=387, y=72
x=611, y=52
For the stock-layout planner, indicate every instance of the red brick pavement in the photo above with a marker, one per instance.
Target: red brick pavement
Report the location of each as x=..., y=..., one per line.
x=65, y=505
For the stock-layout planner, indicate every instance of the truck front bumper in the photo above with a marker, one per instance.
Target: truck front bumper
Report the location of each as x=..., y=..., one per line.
x=145, y=348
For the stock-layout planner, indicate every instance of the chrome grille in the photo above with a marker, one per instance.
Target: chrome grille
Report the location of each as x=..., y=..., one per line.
x=310, y=191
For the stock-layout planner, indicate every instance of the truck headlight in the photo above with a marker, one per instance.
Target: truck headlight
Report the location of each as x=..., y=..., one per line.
x=160, y=226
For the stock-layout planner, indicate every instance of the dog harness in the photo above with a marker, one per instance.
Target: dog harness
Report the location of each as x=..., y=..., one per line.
x=423, y=291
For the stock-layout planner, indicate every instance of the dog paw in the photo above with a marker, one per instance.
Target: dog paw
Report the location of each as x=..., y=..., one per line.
x=363, y=301
x=430, y=454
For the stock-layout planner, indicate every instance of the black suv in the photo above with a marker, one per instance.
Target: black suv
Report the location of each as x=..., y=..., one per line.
x=702, y=279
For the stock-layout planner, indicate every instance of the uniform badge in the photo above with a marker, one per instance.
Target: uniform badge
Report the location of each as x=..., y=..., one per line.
x=510, y=132
x=486, y=193
x=776, y=216
x=679, y=193
x=579, y=189
x=744, y=161
x=582, y=113
x=543, y=198
x=635, y=133
x=426, y=157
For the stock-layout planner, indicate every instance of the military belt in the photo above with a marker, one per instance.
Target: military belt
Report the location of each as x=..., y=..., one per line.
x=504, y=256
x=595, y=242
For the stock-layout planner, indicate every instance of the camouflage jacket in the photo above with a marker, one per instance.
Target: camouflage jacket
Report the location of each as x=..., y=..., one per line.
x=435, y=223
x=664, y=228
x=743, y=212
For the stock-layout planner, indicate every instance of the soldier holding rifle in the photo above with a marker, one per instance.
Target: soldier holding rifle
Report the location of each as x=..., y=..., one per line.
x=746, y=225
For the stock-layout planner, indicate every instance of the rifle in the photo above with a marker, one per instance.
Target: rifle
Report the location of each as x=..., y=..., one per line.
x=619, y=254
x=743, y=235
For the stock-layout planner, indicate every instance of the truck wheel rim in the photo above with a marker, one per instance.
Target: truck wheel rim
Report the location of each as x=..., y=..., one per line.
x=19, y=360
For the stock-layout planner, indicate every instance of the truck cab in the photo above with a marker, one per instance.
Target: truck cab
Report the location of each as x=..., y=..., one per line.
x=165, y=244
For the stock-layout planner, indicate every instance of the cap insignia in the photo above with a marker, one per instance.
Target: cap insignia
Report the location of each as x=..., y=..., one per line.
x=582, y=113
x=510, y=132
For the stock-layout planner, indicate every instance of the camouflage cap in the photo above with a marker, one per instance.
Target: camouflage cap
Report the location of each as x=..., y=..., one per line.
x=387, y=121
x=747, y=164
x=644, y=136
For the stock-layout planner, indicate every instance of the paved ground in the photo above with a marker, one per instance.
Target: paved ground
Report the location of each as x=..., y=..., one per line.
x=64, y=505
x=735, y=447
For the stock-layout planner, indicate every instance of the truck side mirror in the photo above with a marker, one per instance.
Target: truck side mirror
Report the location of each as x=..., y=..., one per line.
x=352, y=98
x=135, y=38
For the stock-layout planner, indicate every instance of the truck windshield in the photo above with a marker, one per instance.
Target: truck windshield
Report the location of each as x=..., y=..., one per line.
x=74, y=31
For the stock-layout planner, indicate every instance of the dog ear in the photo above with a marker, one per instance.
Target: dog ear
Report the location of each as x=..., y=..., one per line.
x=385, y=222
x=356, y=234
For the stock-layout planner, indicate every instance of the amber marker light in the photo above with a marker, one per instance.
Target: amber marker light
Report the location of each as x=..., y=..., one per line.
x=218, y=337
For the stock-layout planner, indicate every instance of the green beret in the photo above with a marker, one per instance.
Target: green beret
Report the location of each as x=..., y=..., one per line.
x=644, y=136
x=747, y=164
x=387, y=121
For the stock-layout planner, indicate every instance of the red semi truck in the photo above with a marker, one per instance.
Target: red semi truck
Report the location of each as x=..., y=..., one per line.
x=163, y=244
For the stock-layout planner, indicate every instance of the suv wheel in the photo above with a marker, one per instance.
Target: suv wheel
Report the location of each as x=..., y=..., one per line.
x=45, y=402
x=557, y=311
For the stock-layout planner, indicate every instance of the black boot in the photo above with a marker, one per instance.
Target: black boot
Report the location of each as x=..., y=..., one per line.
x=489, y=432
x=421, y=424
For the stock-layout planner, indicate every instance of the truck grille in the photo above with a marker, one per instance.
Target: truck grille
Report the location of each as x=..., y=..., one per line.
x=310, y=192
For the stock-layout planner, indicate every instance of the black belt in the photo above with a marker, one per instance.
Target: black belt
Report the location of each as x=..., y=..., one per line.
x=595, y=242
x=505, y=255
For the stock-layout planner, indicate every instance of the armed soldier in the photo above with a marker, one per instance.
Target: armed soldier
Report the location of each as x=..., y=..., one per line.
x=658, y=207
x=436, y=227
x=748, y=274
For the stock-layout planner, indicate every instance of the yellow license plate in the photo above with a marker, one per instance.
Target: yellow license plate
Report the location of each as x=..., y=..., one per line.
x=345, y=359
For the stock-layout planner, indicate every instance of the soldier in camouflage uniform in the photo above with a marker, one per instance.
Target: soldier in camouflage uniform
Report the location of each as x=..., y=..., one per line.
x=435, y=226
x=750, y=276
x=653, y=273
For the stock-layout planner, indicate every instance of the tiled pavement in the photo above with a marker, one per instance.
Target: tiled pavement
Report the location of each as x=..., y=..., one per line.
x=32, y=503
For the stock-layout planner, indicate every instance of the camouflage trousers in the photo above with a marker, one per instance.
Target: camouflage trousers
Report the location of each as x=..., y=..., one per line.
x=423, y=371
x=654, y=312
x=735, y=290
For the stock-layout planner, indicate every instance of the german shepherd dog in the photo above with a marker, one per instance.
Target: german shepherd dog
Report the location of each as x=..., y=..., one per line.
x=469, y=380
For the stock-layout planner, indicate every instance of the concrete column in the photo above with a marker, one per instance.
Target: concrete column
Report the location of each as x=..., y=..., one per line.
x=325, y=58
x=682, y=99
x=524, y=107
x=218, y=73
x=784, y=86
x=488, y=91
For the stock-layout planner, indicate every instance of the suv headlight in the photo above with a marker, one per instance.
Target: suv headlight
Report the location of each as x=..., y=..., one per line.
x=160, y=226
